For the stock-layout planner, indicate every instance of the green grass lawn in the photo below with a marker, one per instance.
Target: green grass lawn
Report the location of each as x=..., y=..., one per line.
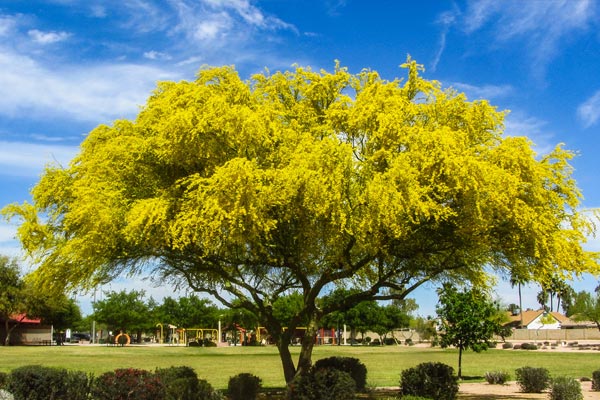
x=216, y=365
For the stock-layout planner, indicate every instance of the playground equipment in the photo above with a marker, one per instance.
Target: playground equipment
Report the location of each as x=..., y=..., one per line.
x=174, y=333
x=200, y=334
x=122, y=339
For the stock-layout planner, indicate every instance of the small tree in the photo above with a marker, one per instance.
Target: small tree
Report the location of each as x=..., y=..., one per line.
x=586, y=307
x=11, y=294
x=468, y=320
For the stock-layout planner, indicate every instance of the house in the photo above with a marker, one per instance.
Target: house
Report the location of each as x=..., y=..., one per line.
x=26, y=331
x=538, y=319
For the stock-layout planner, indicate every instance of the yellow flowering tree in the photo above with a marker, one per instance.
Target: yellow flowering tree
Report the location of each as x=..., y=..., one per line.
x=299, y=182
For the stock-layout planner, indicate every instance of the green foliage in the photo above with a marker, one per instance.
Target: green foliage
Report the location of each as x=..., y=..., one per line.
x=564, y=388
x=497, y=377
x=532, y=380
x=3, y=380
x=128, y=384
x=126, y=311
x=34, y=382
x=586, y=307
x=353, y=366
x=596, y=380
x=507, y=345
x=469, y=320
x=182, y=383
x=528, y=346
x=322, y=384
x=411, y=397
x=189, y=312
x=431, y=380
x=243, y=386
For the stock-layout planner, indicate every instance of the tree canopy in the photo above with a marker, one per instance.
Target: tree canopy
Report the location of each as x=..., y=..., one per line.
x=300, y=181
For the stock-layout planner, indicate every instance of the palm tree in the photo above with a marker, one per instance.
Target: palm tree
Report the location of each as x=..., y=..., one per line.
x=518, y=280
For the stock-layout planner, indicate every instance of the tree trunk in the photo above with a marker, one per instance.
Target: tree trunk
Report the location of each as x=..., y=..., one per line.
x=460, y=351
x=304, y=359
x=282, y=340
x=7, y=338
x=520, y=305
x=9, y=332
x=308, y=343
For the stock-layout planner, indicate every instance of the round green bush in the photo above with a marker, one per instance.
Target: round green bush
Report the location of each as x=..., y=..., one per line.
x=564, y=388
x=35, y=382
x=532, y=380
x=322, y=384
x=243, y=386
x=432, y=380
x=356, y=369
x=182, y=383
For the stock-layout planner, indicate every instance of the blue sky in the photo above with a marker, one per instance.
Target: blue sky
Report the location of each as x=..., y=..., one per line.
x=69, y=65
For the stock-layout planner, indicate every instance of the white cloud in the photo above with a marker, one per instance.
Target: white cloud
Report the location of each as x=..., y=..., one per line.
x=589, y=111
x=47, y=37
x=518, y=124
x=28, y=159
x=99, y=93
x=218, y=24
x=483, y=92
x=156, y=55
x=7, y=25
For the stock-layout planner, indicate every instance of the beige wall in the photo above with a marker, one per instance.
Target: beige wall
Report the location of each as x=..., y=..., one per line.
x=567, y=335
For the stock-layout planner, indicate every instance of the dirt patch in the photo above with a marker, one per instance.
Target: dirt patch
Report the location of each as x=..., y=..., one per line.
x=485, y=391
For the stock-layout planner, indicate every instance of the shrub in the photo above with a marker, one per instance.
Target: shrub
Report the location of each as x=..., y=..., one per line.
x=208, y=343
x=411, y=397
x=182, y=383
x=532, y=380
x=322, y=384
x=243, y=386
x=529, y=346
x=432, y=380
x=564, y=388
x=507, y=345
x=34, y=382
x=356, y=369
x=517, y=347
x=497, y=377
x=3, y=380
x=408, y=342
x=128, y=384
x=596, y=380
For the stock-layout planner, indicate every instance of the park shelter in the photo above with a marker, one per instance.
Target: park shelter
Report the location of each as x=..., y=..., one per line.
x=26, y=331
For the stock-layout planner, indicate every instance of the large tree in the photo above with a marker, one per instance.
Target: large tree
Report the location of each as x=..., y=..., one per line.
x=300, y=181
x=124, y=312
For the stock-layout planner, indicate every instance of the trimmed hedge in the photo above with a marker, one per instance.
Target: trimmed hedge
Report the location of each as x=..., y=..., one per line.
x=356, y=369
x=431, y=380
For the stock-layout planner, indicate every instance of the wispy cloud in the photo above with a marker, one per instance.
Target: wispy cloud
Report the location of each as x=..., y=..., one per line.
x=484, y=91
x=542, y=27
x=47, y=37
x=589, y=111
x=99, y=93
x=230, y=21
x=28, y=159
x=445, y=20
x=519, y=124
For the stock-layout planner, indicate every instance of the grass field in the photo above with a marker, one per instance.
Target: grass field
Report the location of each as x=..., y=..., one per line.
x=216, y=365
